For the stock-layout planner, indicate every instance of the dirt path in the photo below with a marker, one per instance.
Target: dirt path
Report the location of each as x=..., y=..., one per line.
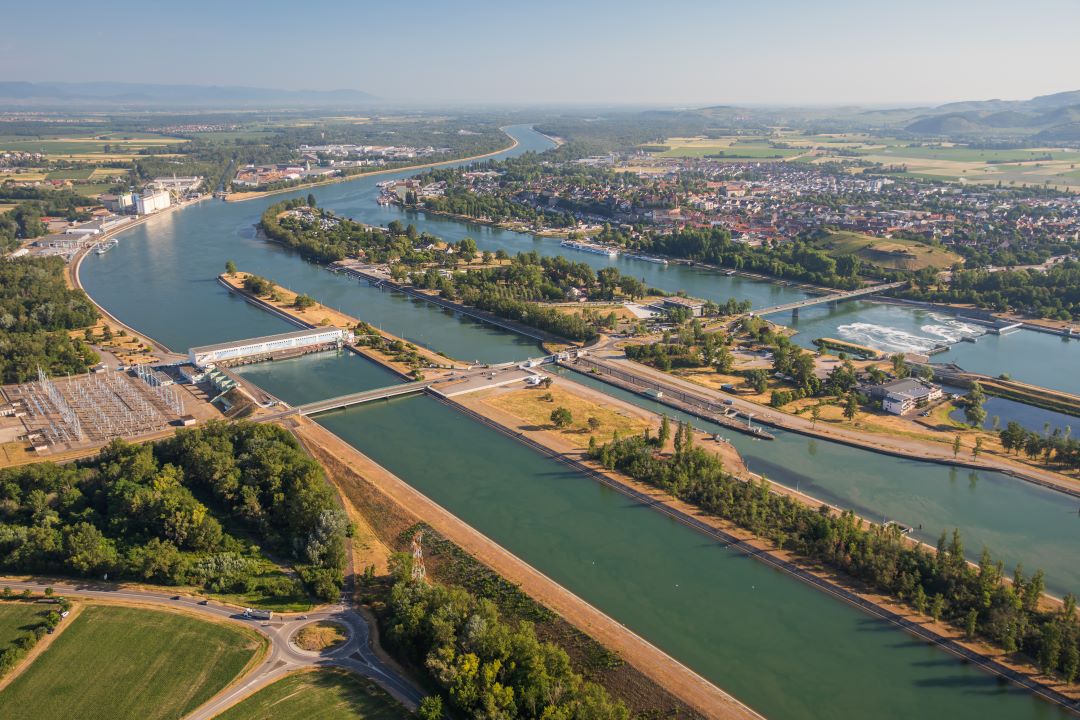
x=650, y=660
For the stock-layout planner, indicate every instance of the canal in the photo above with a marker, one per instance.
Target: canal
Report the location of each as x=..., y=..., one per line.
x=807, y=655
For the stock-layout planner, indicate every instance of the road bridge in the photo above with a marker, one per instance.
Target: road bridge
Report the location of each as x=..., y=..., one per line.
x=821, y=299
x=446, y=385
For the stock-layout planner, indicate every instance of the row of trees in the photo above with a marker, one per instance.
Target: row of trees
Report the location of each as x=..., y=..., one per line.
x=941, y=584
x=37, y=311
x=484, y=666
x=159, y=513
x=1057, y=445
x=1052, y=294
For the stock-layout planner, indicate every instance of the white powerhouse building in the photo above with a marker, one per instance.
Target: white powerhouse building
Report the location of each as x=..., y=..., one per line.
x=223, y=352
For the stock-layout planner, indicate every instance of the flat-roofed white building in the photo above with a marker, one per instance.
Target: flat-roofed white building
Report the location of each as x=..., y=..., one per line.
x=223, y=352
x=150, y=201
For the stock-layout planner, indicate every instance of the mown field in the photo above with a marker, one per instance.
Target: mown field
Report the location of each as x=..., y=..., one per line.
x=725, y=147
x=17, y=618
x=321, y=695
x=893, y=253
x=121, y=662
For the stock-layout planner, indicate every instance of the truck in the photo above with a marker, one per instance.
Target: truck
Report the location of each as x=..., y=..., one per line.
x=258, y=614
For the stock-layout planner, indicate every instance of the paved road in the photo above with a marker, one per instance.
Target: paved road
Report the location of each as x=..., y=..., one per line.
x=356, y=654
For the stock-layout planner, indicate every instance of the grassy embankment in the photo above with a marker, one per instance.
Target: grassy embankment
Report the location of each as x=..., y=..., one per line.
x=122, y=662
x=889, y=253
x=323, y=694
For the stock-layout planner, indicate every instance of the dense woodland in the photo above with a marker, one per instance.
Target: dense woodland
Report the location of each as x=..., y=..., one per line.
x=37, y=310
x=484, y=666
x=942, y=585
x=1052, y=294
x=201, y=508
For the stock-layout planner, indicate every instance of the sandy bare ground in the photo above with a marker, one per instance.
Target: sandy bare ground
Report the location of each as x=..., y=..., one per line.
x=648, y=659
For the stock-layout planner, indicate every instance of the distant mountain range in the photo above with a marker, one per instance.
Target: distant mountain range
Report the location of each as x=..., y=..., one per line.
x=1047, y=117
x=117, y=94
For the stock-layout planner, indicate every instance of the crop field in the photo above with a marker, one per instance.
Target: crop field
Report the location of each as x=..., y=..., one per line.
x=70, y=174
x=733, y=147
x=894, y=253
x=18, y=617
x=121, y=662
x=119, y=143
x=325, y=694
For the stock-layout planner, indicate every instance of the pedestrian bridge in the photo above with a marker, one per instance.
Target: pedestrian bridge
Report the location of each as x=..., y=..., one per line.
x=831, y=297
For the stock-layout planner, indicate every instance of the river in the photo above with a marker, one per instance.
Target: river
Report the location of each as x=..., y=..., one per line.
x=786, y=649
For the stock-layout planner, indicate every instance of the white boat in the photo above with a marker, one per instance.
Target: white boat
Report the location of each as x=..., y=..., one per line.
x=105, y=247
x=590, y=248
x=649, y=258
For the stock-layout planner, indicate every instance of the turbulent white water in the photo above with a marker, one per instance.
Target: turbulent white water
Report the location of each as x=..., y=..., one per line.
x=945, y=330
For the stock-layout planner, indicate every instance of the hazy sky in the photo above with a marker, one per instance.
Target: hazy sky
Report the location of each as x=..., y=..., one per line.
x=671, y=52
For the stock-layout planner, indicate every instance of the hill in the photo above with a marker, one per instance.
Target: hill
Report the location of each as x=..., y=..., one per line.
x=890, y=253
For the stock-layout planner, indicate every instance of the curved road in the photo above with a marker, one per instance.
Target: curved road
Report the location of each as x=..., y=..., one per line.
x=283, y=658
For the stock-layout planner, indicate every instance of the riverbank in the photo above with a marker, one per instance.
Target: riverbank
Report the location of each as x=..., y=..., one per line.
x=1010, y=667
x=73, y=279
x=241, y=197
x=365, y=483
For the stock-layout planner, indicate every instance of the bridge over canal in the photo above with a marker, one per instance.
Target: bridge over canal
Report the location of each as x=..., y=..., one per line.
x=830, y=298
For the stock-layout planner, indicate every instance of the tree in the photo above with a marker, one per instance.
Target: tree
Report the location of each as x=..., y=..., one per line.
x=815, y=415
x=561, y=417
x=971, y=623
x=956, y=446
x=303, y=302
x=431, y=708
x=311, y=200
x=973, y=411
x=851, y=406
x=665, y=432
x=230, y=267
x=594, y=423
x=978, y=447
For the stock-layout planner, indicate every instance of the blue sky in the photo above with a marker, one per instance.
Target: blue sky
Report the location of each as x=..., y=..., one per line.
x=677, y=52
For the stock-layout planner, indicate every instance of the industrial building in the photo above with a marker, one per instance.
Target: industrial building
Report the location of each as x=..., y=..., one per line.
x=269, y=345
x=151, y=201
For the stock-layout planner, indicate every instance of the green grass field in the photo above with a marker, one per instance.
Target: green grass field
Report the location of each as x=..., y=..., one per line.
x=70, y=174
x=966, y=154
x=120, y=662
x=17, y=618
x=322, y=695
x=891, y=253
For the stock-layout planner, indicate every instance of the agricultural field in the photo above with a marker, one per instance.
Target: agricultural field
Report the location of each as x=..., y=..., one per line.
x=892, y=253
x=121, y=662
x=733, y=147
x=324, y=694
x=17, y=618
